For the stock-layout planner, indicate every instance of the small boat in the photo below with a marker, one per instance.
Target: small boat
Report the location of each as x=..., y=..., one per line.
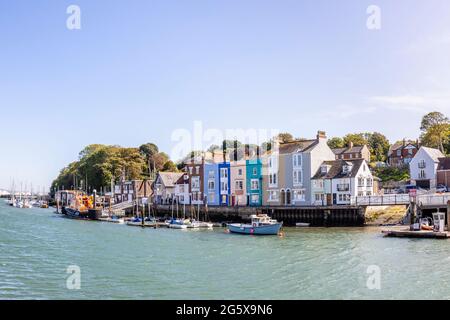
x=260, y=225
x=178, y=224
x=302, y=224
x=200, y=225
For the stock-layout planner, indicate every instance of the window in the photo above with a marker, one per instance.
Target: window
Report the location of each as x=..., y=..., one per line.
x=255, y=171
x=344, y=197
x=360, y=182
x=240, y=172
x=297, y=160
x=274, y=195
x=298, y=195
x=190, y=170
x=319, y=197
x=195, y=183
x=360, y=193
x=212, y=197
x=197, y=170
x=422, y=164
x=211, y=174
x=369, y=182
x=324, y=169
x=224, y=186
x=211, y=184
x=422, y=174
x=318, y=184
x=399, y=153
x=346, y=168
x=255, y=184
x=273, y=179
x=410, y=151
x=368, y=193
x=239, y=185
x=223, y=173
x=342, y=187
x=298, y=177
x=254, y=198
x=351, y=155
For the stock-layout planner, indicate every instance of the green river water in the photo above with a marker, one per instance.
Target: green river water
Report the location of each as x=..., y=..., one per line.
x=122, y=262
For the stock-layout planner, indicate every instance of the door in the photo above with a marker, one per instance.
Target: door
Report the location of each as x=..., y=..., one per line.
x=283, y=197
x=328, y=199
x=334, y=198
x=288, y=197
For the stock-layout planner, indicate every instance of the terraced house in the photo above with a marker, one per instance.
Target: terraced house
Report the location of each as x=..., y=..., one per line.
x=254, y=180
x=338, y=182
x=288, y=169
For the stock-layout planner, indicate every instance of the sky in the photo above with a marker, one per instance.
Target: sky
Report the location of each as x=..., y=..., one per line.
x=137, y=71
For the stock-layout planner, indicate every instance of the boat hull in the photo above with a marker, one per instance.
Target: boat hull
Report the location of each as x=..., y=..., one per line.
x=270, y=229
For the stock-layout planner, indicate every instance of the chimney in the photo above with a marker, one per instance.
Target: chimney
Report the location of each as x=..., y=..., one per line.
x=321, y=135
x=404, y=142
x=257, y=152
x=350, y=145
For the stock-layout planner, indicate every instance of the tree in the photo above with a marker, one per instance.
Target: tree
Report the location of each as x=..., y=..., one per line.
x=170, y=166
x=435, y=128
x=149, y=150
x=336, y=142
x=358, y=139
x=379, y=146
x=285, y=137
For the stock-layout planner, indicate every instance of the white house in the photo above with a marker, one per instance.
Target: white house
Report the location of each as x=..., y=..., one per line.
x=423, y=167
x=338, y=182
x=182, y=194
x=164, y=187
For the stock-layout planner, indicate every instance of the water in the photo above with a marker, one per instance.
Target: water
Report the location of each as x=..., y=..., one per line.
x=121, y=262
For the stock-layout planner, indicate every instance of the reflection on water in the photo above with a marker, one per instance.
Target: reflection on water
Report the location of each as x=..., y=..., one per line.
x=120, y=262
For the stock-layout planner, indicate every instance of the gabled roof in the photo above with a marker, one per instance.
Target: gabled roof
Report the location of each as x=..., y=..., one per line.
x=444, y=163
x=354, y=149
x=297, y=146
x=400, y=145
x=169, y=179
x=434, y=154
x=336, y=170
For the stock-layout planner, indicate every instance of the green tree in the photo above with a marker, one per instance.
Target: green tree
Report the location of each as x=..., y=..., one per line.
x=285, y=137
x=336, y=142
x=435, y=128
x=379, y=146
x=170, y=166
x=358, y=139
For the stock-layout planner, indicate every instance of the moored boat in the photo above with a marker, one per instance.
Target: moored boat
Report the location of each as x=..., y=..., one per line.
x=260, y=225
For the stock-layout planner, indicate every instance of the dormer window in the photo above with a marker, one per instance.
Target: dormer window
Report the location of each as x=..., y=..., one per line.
x=346, y=168
x=324, y=169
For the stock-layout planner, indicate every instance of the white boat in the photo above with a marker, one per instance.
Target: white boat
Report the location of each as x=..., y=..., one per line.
x=200, y=225
x=302, y=224
x=179, y=224
x=261, y=224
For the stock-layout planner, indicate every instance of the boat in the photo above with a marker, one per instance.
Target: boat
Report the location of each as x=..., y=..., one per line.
x=81, y=206
x=302, y=224
x=178, y=224
x=261, y=224
x=200, y=225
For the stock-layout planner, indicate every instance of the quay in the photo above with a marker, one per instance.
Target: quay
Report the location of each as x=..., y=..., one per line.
x=405, y=233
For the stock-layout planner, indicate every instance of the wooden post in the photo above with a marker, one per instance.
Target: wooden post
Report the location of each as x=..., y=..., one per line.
x=448, y=215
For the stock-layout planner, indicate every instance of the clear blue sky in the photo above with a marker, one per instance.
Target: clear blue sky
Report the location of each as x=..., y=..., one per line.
x=137, y=70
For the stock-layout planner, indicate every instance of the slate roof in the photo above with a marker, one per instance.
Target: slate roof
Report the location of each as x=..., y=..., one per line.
x=336, y=172
x=399, y=145
x=295, y=146
x=355, y=149
x=169, y=179
x=435, y=154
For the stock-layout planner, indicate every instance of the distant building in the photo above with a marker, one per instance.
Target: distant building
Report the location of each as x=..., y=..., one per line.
x=401, y=153
x=352, y=152
x=164, y=187
x=423, y=167
x=254, y=180
x=128, y=191
x=443, y=172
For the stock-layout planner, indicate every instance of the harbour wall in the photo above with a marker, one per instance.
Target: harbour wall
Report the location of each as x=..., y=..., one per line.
x=334, y=216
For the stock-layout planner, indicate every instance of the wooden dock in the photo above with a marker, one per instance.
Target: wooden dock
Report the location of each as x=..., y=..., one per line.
x=406, y=233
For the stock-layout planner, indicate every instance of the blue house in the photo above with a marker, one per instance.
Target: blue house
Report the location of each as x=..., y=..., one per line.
x=224, y=183
x=254, y=182
x=211, y=183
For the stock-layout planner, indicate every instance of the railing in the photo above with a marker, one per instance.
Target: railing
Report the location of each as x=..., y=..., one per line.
x=400, y=199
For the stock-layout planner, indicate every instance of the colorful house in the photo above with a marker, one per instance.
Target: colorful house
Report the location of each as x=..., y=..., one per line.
x=238, y=186
x=287, y=171
x=224, y=183
x=211, y=185
x=254, y=181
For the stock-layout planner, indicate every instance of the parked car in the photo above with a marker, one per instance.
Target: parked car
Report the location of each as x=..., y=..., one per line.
x=441, y=188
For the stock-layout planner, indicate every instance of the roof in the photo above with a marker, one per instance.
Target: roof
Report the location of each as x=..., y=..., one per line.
x=444, y=163
x=400, y=145
x=170, y=178
x=295, y=146
x=355, y=149
x=336, y=171
x=435, y=154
